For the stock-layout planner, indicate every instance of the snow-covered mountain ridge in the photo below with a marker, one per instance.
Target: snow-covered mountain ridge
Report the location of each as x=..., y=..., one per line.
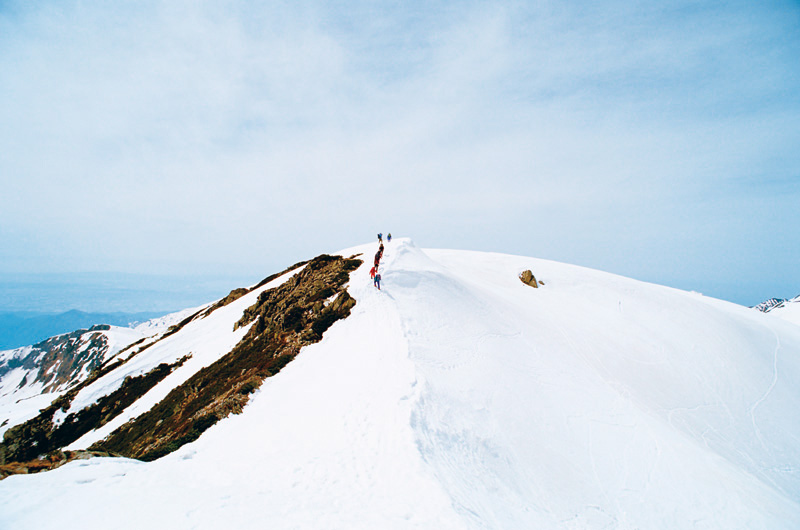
x=458, y=397
x=767, y=305
x=785, y=309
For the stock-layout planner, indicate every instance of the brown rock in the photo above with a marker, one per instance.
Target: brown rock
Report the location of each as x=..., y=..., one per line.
x=528, y=278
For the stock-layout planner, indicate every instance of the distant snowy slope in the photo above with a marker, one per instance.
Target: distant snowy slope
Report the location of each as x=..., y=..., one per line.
x=458, y=397
x=161, y=324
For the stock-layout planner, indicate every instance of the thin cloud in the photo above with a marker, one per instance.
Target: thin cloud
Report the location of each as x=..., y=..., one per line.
x=240, y=130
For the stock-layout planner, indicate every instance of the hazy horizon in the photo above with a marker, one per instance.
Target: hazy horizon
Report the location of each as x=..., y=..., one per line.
x=112, y=292
x=123, y=292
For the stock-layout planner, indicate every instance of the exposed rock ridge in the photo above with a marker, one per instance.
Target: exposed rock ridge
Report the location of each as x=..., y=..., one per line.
x=287, y=318
x=313, y=300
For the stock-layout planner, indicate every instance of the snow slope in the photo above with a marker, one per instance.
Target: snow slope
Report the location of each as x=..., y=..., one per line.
x=458, y=397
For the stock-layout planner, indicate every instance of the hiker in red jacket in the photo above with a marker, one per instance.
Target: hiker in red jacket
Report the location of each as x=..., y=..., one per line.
x=372, y=272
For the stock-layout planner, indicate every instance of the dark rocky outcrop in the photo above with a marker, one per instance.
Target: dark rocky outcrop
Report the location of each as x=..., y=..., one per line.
x=284, y=319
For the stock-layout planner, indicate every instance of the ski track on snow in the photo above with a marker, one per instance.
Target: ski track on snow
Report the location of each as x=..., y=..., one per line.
x=769, y=390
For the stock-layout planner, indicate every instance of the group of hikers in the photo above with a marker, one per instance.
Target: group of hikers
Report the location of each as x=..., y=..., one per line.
x=373, y=272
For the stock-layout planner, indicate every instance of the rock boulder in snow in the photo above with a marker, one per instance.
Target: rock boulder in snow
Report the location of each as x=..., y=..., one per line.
x=528, y=278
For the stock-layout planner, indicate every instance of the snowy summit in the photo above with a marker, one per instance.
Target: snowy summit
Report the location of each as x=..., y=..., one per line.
x=455, y=397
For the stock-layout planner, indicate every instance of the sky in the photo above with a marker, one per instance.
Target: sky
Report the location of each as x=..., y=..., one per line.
x=659, y=141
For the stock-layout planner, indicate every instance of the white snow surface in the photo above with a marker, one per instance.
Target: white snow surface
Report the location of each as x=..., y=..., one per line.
x=458, y=397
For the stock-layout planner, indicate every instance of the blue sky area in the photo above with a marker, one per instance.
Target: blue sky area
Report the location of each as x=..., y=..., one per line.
x=657, y=140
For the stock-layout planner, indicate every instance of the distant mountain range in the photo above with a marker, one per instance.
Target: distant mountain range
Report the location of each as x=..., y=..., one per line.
x=768, y=305
x=18, y=328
